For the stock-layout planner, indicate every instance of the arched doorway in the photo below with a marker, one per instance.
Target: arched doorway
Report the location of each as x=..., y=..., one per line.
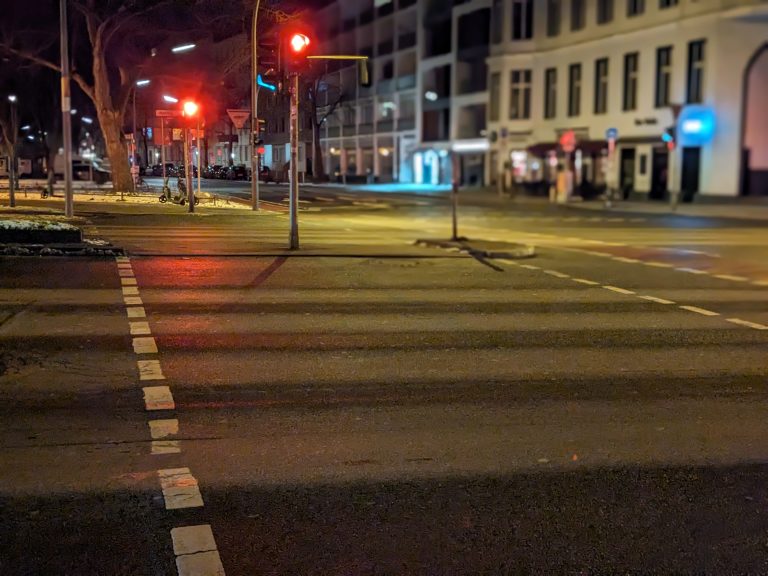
x=754, y=146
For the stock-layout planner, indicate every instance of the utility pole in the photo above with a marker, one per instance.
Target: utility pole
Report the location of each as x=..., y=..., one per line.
x=66, y=114
x=294, y=175
x=188, y=172
x=199, y=162
x=255, y=110
x=12, y=168
x=134, y=178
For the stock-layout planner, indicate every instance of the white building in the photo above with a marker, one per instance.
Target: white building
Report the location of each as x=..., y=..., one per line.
x=588, y=66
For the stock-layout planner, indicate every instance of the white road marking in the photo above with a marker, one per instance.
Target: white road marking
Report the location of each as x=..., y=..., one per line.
x=121, y=259
x=124, y=266
x=760, y=283
x=731, y=278
x=201, y=564
x=128, y=281
x=657, y=300
x=701, y=311
x=530, y=267
x=158, y=398
x=139, y=328
x=145, y=345
x=136, y=312
x=130, y=291
x=132, y=301
x=163, y=428
x=125, y=273
x=627, y=260
x=556, y=274
x=617, y=289
x=659, y=264
x=587, y=282
x=748, y=324
x=160, y=447
x=180, y=489
x=691, y=270
x=150, y=370
x=193, y=539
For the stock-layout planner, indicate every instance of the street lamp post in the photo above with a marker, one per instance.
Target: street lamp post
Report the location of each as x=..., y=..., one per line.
x=12, y=168
x=134, y=168
x=255, y=111
x=66, y=116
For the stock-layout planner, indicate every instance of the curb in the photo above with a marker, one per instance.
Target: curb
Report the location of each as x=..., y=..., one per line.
x=462, y=245
x=73, y=249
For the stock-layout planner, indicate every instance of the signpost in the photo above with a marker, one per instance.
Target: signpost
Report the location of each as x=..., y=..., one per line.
x=238, y=117
x=611, y=135
x=163, y=114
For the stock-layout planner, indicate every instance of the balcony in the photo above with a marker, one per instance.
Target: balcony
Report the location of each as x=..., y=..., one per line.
x=386, y=47
x=407, y=40
x=385, y=126
x=406, y=82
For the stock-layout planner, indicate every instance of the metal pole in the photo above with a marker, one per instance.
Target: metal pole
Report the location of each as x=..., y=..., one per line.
x=455, y=197
x=12, y=167
x=188, y=172
x=294, y=174
x=66, y=116
x=255, y=110
x=199, y=162
x=133, y=141
x=162, y=149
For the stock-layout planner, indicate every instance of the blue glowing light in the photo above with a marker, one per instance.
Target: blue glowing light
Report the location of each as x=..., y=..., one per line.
x=696, y=125
x=263, y=84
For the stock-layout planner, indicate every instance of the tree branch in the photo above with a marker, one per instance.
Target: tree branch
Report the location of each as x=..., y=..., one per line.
x=30, y=57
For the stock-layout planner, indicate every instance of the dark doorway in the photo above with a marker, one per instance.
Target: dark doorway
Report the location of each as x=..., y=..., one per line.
x=627, y=172
x=754, y=156
x=691, y=170
x=659, y=174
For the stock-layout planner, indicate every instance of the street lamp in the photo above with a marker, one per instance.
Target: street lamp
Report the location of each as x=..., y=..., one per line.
x=12, y=172
x=134, y=167
x=170, y=99
x=183, y=48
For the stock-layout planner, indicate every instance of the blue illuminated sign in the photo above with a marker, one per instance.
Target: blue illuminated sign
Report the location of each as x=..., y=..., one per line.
x=696, y=125
x=263, y=84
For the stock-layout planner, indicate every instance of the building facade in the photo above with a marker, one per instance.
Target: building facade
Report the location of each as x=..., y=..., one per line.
x=570, y=73
x=428, y=95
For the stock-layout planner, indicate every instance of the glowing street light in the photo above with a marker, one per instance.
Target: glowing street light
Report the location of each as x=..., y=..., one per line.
x=143, y=82
x=183, y=48
x=12, y=98
x=190, y=108
x=87, y=120
x=170, y=99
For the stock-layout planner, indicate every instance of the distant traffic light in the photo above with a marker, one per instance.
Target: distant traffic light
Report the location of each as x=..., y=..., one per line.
x=669, y=137
x=296, y=46
x=190, y=108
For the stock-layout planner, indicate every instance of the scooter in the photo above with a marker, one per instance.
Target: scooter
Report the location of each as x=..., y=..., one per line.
x=181, y=197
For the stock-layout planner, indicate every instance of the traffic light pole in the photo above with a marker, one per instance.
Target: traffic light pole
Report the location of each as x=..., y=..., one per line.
x=188, y=172
x=255, y=110
x=294, y=165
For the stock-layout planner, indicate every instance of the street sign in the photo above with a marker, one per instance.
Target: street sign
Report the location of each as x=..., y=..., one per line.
x=239, y=117
x=611, y=134
x=231, y=138
x=168, y=113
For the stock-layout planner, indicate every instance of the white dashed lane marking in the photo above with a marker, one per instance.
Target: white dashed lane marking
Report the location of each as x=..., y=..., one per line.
x=731, y=278
x=180, y=489
x=747, y=324
x=150, y=370
x=657, y=300
x=701, y=311
x=586, y=282
x=125, y=272
x=158, y=398
x=556, y=274
x=136, y=312
x=139, y=328
x=130, y=291
x=627, y=260
x=658, y=264
x=618, y=290
x=530, y=267
x=691, y=270
x=133, y=301
x=160, y=431
x=144, y=345
x=128, y=281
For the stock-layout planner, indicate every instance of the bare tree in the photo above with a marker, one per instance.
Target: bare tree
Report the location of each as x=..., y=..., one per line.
x=122, y=36
x=323, y=99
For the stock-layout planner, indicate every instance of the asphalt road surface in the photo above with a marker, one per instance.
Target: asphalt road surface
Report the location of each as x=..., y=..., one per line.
x=370, y=406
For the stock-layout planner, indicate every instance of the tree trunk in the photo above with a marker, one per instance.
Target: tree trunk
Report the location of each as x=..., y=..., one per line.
x=318, y=166
x=111, y=127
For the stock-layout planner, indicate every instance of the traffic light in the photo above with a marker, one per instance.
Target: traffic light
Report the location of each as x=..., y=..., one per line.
x=669, y=137
x=297, y=44
x=190, y=109
x=269, y=54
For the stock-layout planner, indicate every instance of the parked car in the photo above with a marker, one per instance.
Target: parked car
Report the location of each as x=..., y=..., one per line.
x=156, y=170
x=212, y=171
x=181, y=173
x=239, y=172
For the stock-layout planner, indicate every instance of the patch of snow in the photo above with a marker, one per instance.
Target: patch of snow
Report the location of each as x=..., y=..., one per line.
x=34, y=225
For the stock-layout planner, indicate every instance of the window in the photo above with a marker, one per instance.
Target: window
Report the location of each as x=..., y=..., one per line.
x=601, y=86
x=663, y=75
x=522, y=19
x=553, y=17
x=574, y=90
x=635, y=7
x=578, y=14
x=550, y=93
x=493, y=108
x=497, y=21
x=520, y=95
x=695, y=85
x=667, y=3
x=630, y=81
x=604, y=11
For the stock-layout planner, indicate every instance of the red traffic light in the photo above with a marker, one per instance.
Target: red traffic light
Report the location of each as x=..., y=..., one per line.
x=261, y=150
x=190, y=108
x=299, y=43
